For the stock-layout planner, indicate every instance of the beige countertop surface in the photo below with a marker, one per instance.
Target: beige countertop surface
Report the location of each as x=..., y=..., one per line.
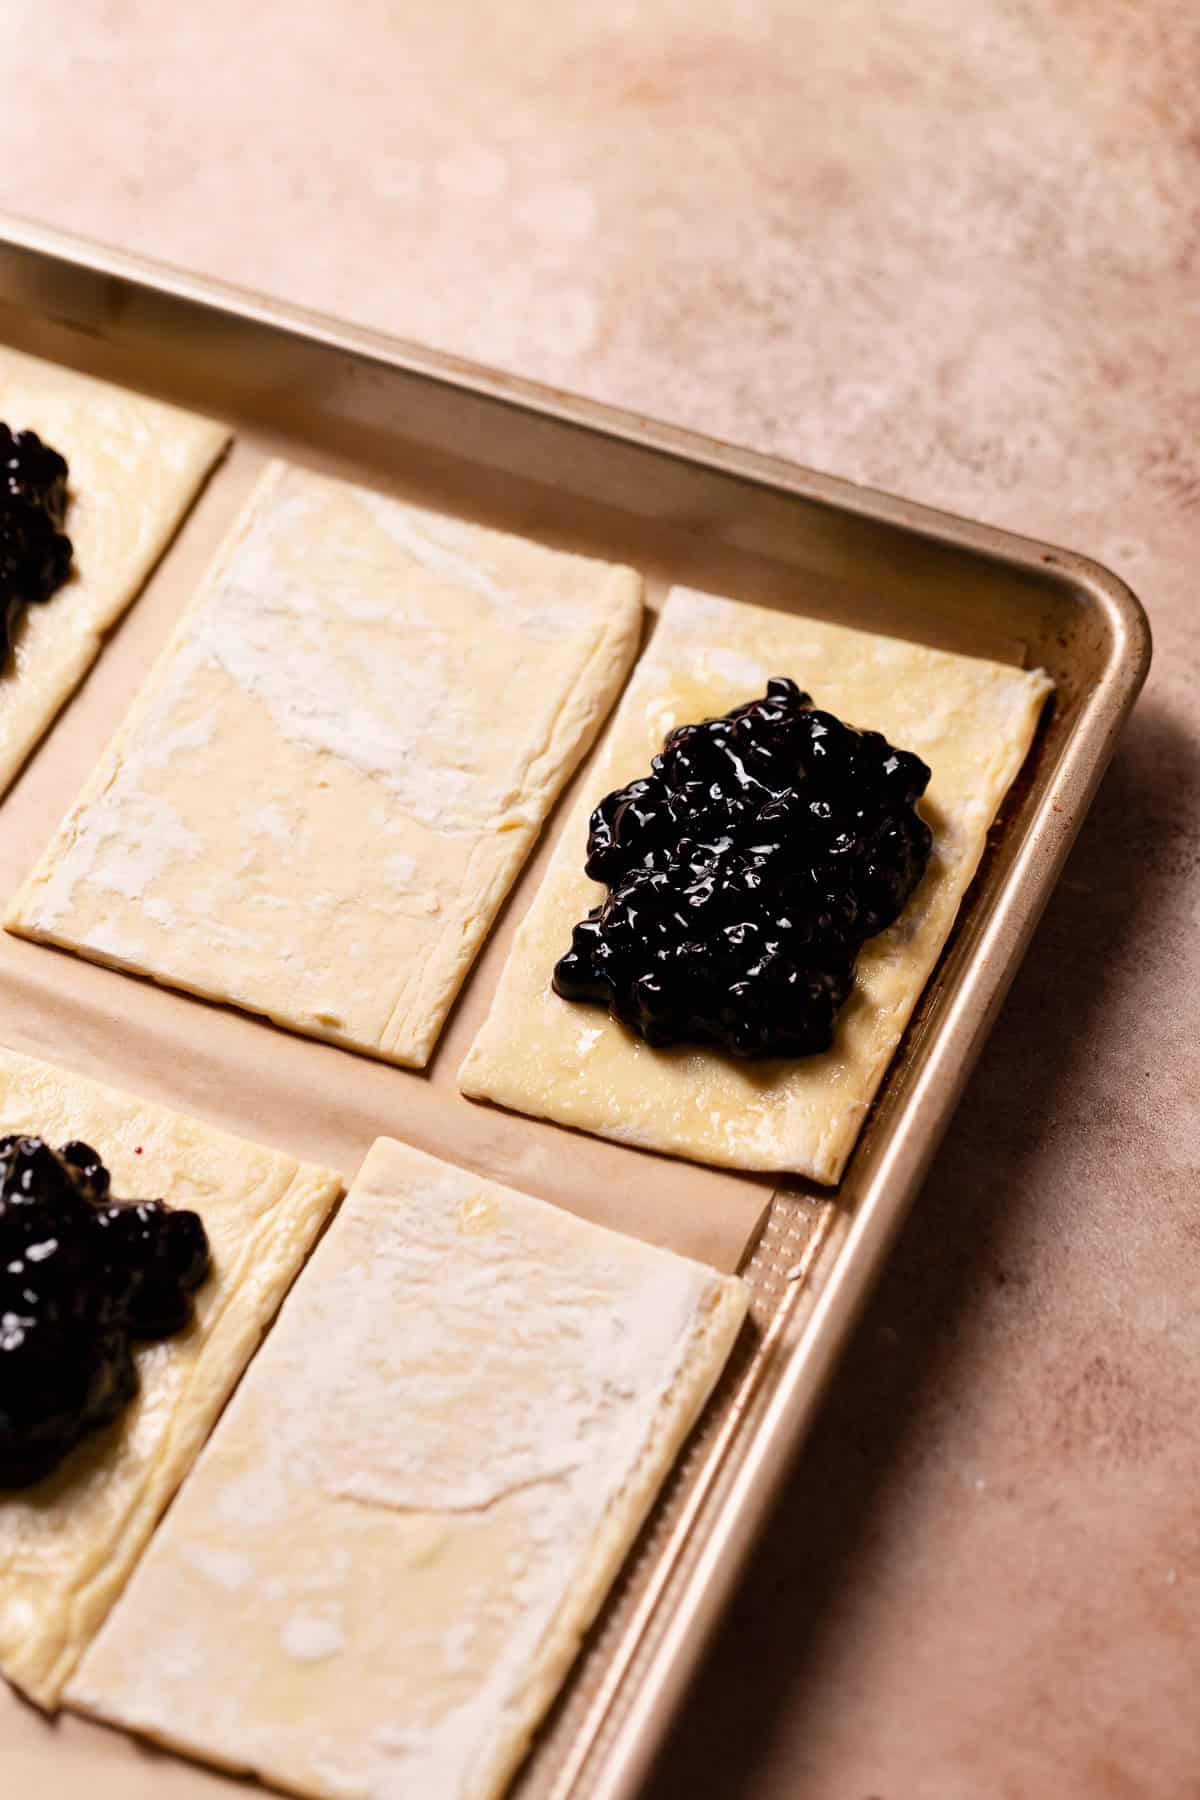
x=952, y=248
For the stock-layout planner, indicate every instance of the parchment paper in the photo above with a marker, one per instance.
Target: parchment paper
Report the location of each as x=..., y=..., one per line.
x=313, y=1099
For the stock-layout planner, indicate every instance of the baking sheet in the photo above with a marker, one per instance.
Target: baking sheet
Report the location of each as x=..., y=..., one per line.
x=682, y=509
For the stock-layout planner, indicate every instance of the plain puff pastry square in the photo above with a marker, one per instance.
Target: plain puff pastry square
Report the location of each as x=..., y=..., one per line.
x=328, y=785
x=972, y=721
x=382, y=1566
x=68, y=1543
x=135, y=466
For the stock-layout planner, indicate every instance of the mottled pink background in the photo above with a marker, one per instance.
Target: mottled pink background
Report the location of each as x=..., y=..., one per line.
x=948, y=247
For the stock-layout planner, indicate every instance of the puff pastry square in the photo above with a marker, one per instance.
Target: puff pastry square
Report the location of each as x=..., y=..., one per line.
x=135, y=468
x=382, y=1566
x=973, y=723
x=68, y=1543
x=325, y=790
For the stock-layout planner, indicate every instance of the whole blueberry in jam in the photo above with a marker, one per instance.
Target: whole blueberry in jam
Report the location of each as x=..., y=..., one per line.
x=35, y=556
x=744, y=874
x=80, y=1275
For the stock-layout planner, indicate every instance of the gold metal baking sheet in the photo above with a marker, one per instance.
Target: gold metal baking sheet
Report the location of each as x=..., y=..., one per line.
x=681, y=508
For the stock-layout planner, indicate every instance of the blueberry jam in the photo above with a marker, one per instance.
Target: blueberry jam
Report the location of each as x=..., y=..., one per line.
x=80, y=1275
x=35, y=557
x=744, y=874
